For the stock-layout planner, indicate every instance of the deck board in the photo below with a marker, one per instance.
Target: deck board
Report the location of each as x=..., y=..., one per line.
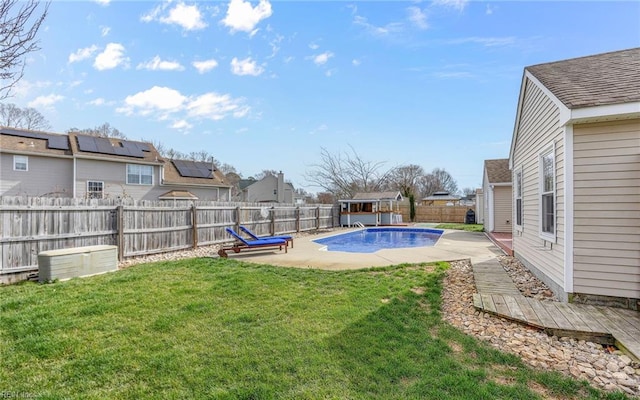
x=501, y=305
x=542, y=313
x=572, y=316
x=529, y=313
x=488, y=303
x=514, y=308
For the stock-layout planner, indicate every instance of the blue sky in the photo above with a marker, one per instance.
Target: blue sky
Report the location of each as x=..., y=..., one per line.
x=267, y=84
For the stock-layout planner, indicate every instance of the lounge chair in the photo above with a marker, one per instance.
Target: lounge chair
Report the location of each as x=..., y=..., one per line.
x=241, y=244
x=253, y=236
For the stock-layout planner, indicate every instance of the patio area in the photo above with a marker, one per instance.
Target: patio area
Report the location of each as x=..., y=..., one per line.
x=503, y=240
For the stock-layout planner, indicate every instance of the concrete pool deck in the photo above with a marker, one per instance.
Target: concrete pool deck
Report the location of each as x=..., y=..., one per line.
x=453, y=245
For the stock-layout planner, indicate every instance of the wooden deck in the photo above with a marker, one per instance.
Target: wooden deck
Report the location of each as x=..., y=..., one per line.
x=606, y=325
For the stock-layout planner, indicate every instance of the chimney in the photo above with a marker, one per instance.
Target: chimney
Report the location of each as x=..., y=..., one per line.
x=280, y=187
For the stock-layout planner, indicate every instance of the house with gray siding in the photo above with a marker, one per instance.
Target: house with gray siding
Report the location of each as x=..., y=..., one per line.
x=496, y=189
x=270, y=189
x=575, y=161
x=35, y=164
x=81, y=166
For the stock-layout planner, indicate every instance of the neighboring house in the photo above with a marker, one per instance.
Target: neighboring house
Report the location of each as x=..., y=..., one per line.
x=374, y=208
x=575, y=158
x=270, y=189
x=114, y=168
x=496, y=186
x=441, y=199
x=81, y=166
x=35, y=164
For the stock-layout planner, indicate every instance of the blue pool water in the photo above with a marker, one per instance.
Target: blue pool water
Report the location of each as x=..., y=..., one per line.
x=371, y=240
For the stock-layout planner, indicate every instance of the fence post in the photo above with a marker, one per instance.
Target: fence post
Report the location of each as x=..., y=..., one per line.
x=297, y=219
x=272, y=224
x=194, y=224
x=120, y=234
x=318, y=218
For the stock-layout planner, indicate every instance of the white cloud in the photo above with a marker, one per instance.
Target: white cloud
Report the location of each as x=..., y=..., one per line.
x=418, y=17
x=181, y=125
x=245, y=67
x=82, y=54
x=321, y=59
x=486, y=41
x=45, y=101
x=98, y=102
x=313, y=46
x=355, y=62
x=242, y=17
x=155, y=100
x=156, y=64
x=111, y=57
x=215, y=106
x=390, y=28
x=188, y=17
x=205, y=66
x=103, y=2
x=489, y=10
x=163, y=103
x=104, y=31
x=456, y=4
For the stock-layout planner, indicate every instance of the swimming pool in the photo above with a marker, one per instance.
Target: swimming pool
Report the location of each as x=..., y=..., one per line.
x=370, y=240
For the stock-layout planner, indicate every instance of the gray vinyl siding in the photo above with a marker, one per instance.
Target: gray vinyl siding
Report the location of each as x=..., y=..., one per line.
x=46, y=176
x=502, y=204
x=538, y=127
x=114, y=176
x=607, y=208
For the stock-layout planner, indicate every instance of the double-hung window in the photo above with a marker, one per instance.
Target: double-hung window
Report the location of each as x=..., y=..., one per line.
x=95, y=190
x=518, y=197
x=20, y=163
x=139, y=174
x=548, y=194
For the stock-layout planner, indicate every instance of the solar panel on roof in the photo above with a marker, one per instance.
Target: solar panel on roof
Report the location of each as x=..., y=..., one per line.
x=193, y=169
x=102, y=145
x=58, y=142
x=87, y=143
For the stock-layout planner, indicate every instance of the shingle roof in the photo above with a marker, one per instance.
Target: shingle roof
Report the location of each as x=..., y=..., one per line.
x=498, y=170
x=377, y=196
x=601, y=79
x=172, y=176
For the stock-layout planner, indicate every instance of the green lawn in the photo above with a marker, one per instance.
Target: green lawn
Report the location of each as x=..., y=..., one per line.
x=462, y=227
x=221, y=329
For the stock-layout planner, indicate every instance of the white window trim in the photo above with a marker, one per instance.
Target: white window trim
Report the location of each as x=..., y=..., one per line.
x=101, y=192
x=549, y=237
x=520, y=183
x=25, y=162
x=140, y=175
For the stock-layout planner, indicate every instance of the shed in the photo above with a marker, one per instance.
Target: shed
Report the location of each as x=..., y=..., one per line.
x=373, y=209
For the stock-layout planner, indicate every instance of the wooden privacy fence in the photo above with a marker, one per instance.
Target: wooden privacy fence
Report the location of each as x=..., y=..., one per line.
x=29, y=226
x=439, y=214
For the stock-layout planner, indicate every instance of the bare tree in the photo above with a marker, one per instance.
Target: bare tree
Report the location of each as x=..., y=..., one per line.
x=23, y=118
x=345, y=174
x=264, y=173
x=19, y=24
x=405, y=178
x=438, y=180
x=104, y=130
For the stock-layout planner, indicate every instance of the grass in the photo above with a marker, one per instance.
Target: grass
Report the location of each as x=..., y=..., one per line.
x=463, y=227
x=222, y=329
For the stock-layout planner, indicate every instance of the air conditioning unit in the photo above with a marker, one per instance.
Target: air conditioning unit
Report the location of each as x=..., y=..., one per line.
x=75, y=262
